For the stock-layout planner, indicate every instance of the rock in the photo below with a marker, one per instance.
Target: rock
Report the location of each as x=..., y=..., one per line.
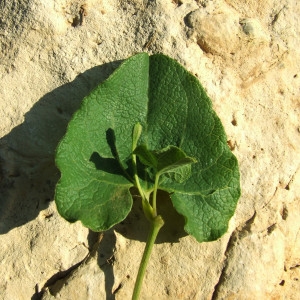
x=216, y=31
x=253, y=28
x=245, y=53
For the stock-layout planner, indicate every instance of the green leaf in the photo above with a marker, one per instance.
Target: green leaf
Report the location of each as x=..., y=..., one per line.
x=180, y=174
x=171, y=158
x=147, y=157
x=94, y=157
x=137, y=131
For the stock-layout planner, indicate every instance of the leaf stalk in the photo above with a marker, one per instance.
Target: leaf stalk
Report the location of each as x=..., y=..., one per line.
x=156, y=225
x=155, y=195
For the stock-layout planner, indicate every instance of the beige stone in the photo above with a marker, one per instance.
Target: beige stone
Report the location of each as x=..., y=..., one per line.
x=246, y=55
x=215, y=29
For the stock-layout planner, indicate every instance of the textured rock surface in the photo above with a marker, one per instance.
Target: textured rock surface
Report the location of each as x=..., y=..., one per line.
x=245, y=53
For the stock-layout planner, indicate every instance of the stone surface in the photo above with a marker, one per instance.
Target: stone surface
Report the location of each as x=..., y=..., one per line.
x=245, y=53
x=214, y=26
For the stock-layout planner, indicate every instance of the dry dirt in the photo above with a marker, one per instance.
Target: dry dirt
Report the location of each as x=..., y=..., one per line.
x=246, y=55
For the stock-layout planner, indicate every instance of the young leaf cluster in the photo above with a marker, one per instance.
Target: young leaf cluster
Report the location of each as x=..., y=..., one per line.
x=170, y=161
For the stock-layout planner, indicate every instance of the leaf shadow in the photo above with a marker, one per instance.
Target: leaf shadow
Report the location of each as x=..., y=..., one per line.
x=111, y=141
x=114, y=165
x=109, y=164
x=28, y=174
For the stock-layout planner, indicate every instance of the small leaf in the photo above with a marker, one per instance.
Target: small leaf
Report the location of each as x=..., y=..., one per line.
x=180, y=174
x=171, y=158
x=167, y=160
x=137, y=131
x=146, y=156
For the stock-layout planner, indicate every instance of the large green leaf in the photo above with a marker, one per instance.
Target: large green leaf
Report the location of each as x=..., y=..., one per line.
x=173, y=108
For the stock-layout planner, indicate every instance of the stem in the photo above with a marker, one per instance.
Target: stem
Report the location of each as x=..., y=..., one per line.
x=154, y=195
x=137, y=130
x=136, y=178
x=150, y=212
x=156, y=225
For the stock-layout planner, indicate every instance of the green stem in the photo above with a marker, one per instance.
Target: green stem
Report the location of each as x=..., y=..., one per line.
x=136, y=178
x=154, y=195
x=156, y=225
x=137, y=130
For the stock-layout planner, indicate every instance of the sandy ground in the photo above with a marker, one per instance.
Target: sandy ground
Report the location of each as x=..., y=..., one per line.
x=246, y=55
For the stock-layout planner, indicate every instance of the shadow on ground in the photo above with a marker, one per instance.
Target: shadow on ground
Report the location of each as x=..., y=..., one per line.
x=27, y=170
